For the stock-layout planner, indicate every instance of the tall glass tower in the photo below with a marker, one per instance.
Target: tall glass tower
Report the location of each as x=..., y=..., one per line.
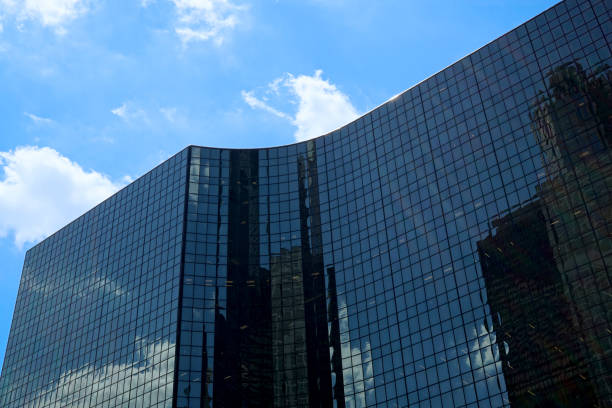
x=451, y=248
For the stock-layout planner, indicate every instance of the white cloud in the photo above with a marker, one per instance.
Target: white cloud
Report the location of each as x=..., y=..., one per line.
x=121, y=111
x=38, y=119
x=274, y=85
x=152, y=117
x=49, y=13
x=321, y=107
x=255, y=103
x=202, y=20
x=130, y=113
x=169, y=113
x=42, y=190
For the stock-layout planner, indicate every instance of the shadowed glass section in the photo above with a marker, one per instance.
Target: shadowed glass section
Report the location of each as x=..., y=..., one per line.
x=254, y=216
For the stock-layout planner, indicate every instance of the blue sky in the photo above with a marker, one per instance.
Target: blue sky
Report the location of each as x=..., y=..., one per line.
x=94, y=93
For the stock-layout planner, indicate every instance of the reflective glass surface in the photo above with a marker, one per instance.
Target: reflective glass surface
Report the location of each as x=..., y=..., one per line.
x=95, y=318
x=453, y=247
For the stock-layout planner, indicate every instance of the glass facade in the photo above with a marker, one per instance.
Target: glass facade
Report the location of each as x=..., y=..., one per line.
x=96, y=315
x=453, y=247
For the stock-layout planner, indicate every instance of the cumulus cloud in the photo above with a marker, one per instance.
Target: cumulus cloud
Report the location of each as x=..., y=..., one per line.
x=41, y=191
x=50, y=13
x=321, y=106
x=203, y=20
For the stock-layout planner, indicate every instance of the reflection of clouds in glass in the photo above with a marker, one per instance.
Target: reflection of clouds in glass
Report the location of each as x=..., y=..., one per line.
x=107, y=286
x=360, y=372
x=473, y=345
x=144, y=381
x=477, y=352
x=35, y=285
x=464, y=363
x=487, y=352
x=97, y=284
x=484, y=353
x=476, y=359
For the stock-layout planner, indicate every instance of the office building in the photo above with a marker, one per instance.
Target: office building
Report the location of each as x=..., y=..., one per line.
x=451, y=248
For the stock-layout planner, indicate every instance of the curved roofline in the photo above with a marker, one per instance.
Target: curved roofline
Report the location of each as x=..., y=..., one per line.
x=393, y=98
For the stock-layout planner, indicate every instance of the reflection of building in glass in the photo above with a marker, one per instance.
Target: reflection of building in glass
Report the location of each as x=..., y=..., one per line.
x=289, y=330
x=544, y=358
x=351, y=270
x=243, y=348
x=574, y=127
